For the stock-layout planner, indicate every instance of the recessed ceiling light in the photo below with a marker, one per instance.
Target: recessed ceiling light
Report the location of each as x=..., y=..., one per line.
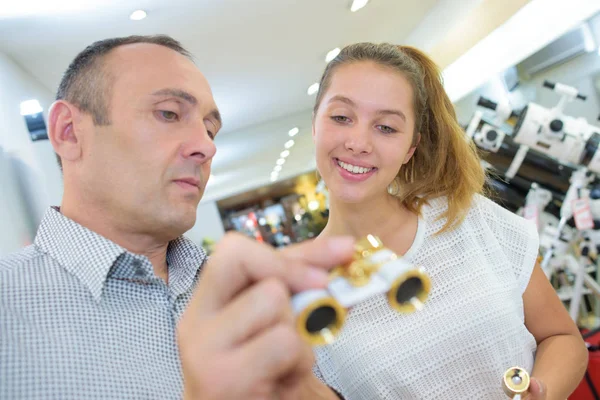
x=293, y=131
x=281, y=161
x=30, y=107
x=332, y=54
x=285, y=153
x=288, y=144
x=358, y=4
x=312, y=89
x=138, y=15
x=277, y=168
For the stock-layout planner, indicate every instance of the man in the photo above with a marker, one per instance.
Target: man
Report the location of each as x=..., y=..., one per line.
x=95, y=308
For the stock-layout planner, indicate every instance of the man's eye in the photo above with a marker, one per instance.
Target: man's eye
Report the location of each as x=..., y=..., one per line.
x=169, y=115
x=340, y=118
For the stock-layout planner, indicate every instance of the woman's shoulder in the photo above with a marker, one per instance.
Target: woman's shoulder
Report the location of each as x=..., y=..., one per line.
x=493, y=213
x=482, y=211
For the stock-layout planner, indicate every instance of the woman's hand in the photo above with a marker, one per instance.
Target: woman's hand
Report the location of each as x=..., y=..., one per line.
x=537, y=390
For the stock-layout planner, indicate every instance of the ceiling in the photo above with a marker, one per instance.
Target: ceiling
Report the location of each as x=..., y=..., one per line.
x=259, y=56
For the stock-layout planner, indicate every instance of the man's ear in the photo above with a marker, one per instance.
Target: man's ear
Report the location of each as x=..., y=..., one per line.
x=63, y=130
x=411, y=151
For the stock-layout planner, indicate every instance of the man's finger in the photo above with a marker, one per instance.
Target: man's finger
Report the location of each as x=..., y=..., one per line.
x=256, y=309
x=322, y=252
x=274, y=355
x=238, y=261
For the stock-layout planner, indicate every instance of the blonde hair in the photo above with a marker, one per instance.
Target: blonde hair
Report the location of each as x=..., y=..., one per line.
x=445, y=162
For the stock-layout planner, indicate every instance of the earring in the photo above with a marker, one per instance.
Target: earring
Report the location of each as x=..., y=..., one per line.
x=394, y=187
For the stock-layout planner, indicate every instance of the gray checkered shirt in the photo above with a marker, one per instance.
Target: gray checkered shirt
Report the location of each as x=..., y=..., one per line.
x=82, y=318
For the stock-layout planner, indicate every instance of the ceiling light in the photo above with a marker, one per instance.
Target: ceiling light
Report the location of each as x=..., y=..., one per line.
x=138, y=15
x=281, y=161
x=288, y=144
x=273, y=178
x=358, y=4
x=285, y=153
x=332, y=54
x=277, y=168
x=30, y=107
x=293, y=131
x=312, y=89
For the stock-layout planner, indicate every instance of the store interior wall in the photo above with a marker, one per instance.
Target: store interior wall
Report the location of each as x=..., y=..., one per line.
x=15, y=223
x=581, y=72
x=29, y=176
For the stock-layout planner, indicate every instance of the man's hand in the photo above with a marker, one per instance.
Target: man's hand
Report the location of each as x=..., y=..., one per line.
x=237, y=338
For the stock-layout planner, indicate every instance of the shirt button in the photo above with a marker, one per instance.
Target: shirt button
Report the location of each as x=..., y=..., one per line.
x=139, y=271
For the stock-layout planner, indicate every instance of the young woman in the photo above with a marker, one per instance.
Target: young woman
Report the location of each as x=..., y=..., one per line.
x=397, y=165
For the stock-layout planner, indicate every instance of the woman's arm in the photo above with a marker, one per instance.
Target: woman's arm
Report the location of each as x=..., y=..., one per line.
x=562, y=356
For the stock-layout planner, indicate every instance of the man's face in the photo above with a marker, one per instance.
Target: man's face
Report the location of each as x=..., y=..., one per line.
x=148, y=168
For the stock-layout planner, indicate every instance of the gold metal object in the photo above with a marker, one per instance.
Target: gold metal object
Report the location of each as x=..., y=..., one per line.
x=515, y=382
x=326, y=334
x=358, y=272
x=415, y=302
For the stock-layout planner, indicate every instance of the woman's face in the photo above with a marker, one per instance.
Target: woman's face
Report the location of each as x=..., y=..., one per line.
x=363, y=130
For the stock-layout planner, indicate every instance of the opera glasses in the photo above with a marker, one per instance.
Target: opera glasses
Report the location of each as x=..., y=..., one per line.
x=373, y=270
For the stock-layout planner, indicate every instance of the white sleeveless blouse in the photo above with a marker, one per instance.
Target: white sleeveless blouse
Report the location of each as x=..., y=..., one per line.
x=472, y=326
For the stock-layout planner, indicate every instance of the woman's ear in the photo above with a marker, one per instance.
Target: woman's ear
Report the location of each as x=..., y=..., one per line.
x=411, y=151
x=62, y=132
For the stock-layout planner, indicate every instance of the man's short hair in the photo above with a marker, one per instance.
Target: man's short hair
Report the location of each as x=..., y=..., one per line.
x=87, y=83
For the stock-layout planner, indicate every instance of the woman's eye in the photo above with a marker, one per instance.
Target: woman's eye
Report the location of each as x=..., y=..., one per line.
x=386, y=129
x=169, y=115
x=340, y=118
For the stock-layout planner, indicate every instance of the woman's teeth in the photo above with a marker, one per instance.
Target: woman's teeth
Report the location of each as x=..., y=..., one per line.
x=353, y=168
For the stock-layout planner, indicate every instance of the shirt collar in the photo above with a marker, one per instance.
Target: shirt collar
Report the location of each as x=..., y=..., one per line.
x=90, y=256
